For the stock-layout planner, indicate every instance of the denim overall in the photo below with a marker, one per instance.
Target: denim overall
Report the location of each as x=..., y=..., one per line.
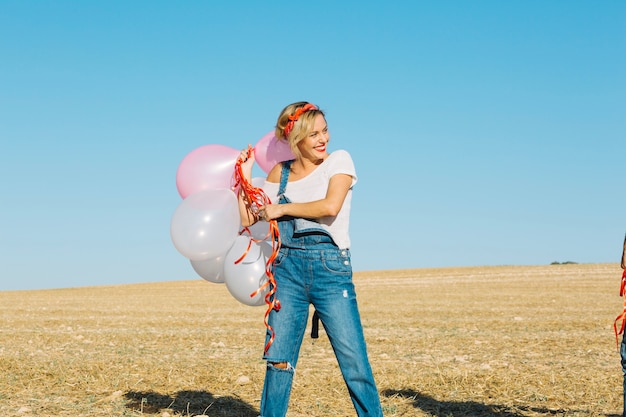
x=311, y=269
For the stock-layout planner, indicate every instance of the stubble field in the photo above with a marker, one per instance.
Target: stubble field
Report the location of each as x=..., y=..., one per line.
x=502, y=341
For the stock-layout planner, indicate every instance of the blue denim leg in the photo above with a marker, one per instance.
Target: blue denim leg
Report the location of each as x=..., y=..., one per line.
x=289, y=325
x=276, y=391
x=334, y=298
x=322, y=277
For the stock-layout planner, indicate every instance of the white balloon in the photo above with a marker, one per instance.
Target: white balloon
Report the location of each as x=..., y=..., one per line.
x=206, y=224
x=244, y=278
x=211, y=270
x=260, y=230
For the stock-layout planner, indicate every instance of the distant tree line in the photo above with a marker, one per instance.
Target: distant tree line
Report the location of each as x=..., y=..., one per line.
x=564, y=263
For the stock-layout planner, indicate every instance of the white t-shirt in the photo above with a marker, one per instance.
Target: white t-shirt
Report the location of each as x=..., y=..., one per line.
x=314, y=186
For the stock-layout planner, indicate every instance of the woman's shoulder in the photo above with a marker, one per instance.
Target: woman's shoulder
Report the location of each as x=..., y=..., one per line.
x=340, y=162
x=340, y=157
x=340, y=154
x=275, y=173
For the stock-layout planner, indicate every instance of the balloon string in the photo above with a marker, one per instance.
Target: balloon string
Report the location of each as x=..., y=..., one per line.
x=245, y=253
x=622, y=317
x=256, y=198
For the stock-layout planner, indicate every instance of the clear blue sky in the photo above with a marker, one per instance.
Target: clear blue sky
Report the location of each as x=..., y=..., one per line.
x=484, y=132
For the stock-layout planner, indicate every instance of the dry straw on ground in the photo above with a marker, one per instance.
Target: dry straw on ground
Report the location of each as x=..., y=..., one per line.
x=494, y=341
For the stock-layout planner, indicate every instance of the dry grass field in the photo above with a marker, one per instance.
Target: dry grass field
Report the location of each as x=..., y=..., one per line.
x=502, y=341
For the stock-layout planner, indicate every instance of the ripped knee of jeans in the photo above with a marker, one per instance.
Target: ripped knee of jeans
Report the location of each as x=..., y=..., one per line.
x=280, y=366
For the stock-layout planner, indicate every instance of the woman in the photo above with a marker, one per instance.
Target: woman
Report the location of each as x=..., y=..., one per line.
x=311, y=198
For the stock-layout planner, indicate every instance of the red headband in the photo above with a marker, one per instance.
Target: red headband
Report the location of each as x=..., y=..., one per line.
x=294, y=117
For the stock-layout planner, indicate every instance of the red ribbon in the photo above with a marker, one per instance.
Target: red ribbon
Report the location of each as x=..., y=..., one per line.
x=257, y=198
x=293, y=118
x=622, y=316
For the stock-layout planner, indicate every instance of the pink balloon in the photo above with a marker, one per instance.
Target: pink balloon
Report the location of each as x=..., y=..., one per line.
x=269, y=151
x=205, y=168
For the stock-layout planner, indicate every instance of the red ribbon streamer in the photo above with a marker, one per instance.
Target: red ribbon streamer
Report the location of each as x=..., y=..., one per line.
x=257, y=198
x=622, y=316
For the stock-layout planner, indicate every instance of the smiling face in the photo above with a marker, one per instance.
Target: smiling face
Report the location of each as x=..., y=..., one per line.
x=313, y=145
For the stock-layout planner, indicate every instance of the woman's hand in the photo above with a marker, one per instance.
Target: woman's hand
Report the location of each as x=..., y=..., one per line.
x=270, y=212
x=246, y=158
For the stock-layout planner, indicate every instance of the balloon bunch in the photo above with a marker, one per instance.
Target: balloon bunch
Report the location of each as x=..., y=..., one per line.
x=206, y=226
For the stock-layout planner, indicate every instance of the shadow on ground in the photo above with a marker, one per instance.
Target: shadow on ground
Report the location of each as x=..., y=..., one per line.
x=189, y=403
x=435, y=407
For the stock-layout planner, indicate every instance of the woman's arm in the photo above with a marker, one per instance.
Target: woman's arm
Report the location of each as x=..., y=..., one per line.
x=624, y=255
x=330, y=205
x=248, y=217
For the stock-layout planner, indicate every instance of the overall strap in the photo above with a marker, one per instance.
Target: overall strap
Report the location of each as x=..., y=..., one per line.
x=284, y=176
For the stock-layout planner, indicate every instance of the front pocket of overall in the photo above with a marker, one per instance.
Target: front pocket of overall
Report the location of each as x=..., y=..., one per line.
x=280, y=257
x=337, y=264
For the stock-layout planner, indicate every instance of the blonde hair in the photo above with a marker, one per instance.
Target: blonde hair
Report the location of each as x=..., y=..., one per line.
x=299, y=128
